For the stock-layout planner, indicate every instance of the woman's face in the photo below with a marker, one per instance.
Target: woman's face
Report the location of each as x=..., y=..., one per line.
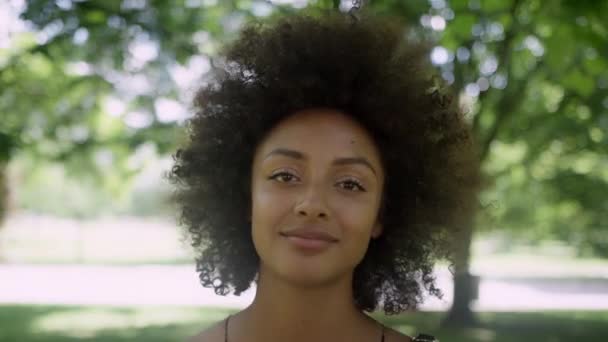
x=316, y=189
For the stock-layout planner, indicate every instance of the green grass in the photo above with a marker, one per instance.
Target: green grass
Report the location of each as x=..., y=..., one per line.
x=78, y=323
x=558, y=326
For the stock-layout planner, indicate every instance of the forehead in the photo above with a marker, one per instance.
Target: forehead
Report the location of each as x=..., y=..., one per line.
x=322, y=132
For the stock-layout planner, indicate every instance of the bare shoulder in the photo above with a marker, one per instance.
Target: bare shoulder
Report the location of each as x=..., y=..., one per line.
x=214, y=333
x=392, y=335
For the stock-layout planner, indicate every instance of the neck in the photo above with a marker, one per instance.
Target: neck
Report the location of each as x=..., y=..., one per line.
x=286, y=312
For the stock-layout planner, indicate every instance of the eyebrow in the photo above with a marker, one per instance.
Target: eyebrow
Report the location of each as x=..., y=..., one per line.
x=338, y=161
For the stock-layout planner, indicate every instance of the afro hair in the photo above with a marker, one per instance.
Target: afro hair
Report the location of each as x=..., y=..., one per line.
x=372, y=70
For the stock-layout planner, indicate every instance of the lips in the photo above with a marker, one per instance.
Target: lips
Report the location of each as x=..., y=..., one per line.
x=310, y=234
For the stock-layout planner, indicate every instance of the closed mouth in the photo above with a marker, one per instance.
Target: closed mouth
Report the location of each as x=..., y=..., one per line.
x=310, y=235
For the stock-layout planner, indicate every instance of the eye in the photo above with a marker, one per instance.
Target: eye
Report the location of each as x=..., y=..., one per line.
x=352, y=185
x=283, y=177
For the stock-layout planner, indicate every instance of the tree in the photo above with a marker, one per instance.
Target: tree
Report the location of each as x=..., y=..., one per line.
x=77, y=87
x=535, y=75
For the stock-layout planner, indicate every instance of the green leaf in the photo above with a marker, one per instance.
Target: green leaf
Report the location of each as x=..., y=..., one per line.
x=7, y=145
x=579, y=82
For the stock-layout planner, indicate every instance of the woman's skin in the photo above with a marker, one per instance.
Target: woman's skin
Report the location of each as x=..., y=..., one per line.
x=316, y=170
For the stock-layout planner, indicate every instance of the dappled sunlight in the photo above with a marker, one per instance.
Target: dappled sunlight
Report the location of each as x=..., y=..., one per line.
x=481, y=335
x=82, y=323
x=530, y=295
x=89, y=322
x=406, y=329
x=49, y=324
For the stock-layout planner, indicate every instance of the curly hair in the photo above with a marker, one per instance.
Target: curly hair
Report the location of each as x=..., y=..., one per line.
x=368, y=70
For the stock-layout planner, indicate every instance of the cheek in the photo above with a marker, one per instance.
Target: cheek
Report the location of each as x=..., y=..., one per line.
x=268, y=213
x=268, y=208
x=357, y=217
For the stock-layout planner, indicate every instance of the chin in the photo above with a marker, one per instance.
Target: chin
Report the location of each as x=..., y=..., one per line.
x=308, y=276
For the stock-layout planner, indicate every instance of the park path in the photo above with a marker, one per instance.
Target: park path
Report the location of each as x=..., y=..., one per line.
x=178, y=285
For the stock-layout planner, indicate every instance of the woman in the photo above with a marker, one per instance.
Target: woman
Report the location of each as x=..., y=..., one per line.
x=325, y=165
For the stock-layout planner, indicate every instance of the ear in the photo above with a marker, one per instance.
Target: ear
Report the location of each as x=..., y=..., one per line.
x=377, y=230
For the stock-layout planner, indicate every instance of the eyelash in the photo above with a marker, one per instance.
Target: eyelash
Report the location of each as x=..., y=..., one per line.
x=351, y=181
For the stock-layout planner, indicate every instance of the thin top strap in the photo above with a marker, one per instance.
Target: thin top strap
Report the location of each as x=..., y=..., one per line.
x=226, y=329
x=228, y=318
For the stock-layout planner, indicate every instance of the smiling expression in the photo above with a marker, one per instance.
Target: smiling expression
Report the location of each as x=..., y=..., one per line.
x=316, y=189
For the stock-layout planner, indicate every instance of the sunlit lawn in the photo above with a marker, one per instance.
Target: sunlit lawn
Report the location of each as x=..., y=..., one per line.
x=62, y=323
x=112, y=241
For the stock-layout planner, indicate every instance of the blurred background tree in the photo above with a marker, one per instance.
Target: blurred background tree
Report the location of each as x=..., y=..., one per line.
x=534, y=76
x=91, y=84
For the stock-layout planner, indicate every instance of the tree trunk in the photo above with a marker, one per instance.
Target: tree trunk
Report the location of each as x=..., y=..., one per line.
x=3, y=202
x=465, y=284
x=3, y=192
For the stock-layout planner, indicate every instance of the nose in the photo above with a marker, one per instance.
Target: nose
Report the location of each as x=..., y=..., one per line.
x=312, y=203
